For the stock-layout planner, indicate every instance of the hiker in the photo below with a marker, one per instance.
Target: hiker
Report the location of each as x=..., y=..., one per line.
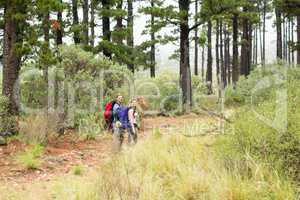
x=126, y=121
x=132, y=119
x=111, y=110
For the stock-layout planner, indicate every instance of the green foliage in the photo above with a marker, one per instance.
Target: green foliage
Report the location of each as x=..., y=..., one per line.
x=90, y=126
x=260, y=85
x=276, y=143
x=77, y=170
x=30, y=159
x=163, y=92
x=7, y=122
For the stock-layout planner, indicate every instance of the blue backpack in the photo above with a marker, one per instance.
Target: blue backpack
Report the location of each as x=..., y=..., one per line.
x=123, y=116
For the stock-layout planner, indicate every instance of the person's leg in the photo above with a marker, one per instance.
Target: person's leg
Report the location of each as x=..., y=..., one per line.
x=135, y=135
x=131, y=136
x=118, y=138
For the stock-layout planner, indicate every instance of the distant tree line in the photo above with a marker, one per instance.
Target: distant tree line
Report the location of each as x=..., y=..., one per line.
x=34, y=30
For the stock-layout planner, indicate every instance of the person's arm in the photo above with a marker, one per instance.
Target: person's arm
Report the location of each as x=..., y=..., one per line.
x=115, y=111
x=131, y=119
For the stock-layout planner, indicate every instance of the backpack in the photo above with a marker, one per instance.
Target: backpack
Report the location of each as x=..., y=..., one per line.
x=108, y=111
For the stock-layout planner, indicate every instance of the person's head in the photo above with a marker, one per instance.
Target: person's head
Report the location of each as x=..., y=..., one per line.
x=133, y=103
x=119, y=98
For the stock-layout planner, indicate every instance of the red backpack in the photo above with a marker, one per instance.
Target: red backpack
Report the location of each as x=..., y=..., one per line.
x=108, y=111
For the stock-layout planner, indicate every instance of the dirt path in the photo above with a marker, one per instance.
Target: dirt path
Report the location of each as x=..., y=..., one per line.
x=62, y=154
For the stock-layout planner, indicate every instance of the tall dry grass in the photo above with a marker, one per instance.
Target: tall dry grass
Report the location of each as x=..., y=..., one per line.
x=175, y=167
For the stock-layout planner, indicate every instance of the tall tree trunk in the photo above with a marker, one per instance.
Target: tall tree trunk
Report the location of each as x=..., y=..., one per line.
x=264, y=33
x=293, y=41
x=250, y=45
x=130, y=40
x=46, y=51
x=76, y=32
x=223, y=70
x=185, y=71
x=260, y=42
x=59, y=30
x=85, y=21
x=209, y=58
x=227, y=54
x=92, y=23
x=152, y=52
x=218, y=50
x=106, y=27
x=235, y=50
x=289, y=40
x=202, y=62
x=196, y=41
x=279, y=33
x=256, y=46
x=298, y=39
x=119, y=25
x=245, y=65
x=13, y=37
x=284, y=39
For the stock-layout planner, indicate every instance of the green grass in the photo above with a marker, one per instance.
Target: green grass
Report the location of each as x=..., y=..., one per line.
x=30, y=159
x=175, y=167
x=78, y=170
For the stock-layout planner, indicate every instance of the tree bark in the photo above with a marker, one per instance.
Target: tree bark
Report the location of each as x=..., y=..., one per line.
x=59, y=30
x=76, y=35
x=119, y=25
x=202, y=63
x=235, y=50
x=185, y=72
x=223, y=70
x=293, y=41
x=264, y=33
x=152, y=51
x=209, y=58
x=245, y=51
x=227, y=54
x=106, y=27
x=92, y=23
x=130, y=41
x=218, y=50
x=85, y=21
x=196, y=41
x=13, y=37
x=279, y=33
x=298, y=39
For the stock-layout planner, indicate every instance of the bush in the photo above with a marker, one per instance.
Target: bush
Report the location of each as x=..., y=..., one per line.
x=164, y=93
x=35, y=128
x=90, y=126
x=78, y=170
x=30, y=159
x=260, y=85
x=276, y=143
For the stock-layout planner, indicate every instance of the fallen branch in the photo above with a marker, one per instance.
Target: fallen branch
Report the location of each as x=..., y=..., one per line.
x=212, y=113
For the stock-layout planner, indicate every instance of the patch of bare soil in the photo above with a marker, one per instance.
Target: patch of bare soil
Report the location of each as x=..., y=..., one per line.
x=65, y=152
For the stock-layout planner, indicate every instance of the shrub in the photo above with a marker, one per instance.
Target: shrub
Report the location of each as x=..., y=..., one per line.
x=164, y=93
x=90, y=126
x=77, y=170
x=30, y=159
x=276, y=143
x=35, y=128
x=260, y=85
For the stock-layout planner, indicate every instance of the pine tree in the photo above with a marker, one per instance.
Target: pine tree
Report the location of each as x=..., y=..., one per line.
x=75, y=26
x=14, y=30
x=85, y=22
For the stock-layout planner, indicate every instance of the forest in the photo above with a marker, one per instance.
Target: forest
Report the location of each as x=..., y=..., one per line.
x=150, y=99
